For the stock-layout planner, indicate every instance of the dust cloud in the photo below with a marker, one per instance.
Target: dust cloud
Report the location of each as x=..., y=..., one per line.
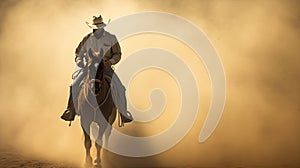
x=258, y=42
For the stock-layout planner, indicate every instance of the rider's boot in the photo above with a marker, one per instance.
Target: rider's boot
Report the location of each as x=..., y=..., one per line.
x=121, y=104
x=69, y=113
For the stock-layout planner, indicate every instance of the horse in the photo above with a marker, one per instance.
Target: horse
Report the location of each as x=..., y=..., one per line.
x=95, y=105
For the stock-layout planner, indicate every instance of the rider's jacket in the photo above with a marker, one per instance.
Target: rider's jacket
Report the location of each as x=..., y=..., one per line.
x=106, y=47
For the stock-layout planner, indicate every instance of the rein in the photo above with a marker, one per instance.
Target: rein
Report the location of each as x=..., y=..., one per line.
x=76, y=73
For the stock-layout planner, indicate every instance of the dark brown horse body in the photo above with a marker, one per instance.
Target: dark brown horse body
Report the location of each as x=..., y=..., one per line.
x=95, y=105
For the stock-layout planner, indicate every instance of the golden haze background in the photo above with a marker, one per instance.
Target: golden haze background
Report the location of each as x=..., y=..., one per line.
x=258, y=42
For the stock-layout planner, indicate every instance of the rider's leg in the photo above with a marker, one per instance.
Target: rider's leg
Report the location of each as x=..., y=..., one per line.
x=70, y=112
x=119, y=97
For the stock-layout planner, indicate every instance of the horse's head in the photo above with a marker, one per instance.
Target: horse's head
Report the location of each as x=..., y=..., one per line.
x=95, y=70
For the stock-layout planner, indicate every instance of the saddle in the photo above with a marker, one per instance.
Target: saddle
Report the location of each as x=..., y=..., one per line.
x=105, y=75
x=70, y=113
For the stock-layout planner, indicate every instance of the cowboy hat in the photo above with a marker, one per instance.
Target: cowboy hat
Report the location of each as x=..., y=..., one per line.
x=97, y=23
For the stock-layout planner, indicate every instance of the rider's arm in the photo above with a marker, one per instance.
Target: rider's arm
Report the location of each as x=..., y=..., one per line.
x=115, y=51
x=80, y=52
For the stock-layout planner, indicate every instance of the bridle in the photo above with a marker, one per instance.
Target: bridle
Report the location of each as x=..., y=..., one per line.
x=88, y=87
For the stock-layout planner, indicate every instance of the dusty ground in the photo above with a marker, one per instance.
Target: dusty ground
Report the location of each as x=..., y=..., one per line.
x=11, y=158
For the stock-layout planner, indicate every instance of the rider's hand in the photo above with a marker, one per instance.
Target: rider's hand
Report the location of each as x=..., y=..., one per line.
x=80, y=63
x=107, y=63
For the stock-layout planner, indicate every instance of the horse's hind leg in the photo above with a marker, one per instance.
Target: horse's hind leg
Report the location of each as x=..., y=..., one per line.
x=87, y=145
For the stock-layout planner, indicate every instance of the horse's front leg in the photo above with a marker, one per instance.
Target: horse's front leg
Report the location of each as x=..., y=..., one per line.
x=108, y=130
x=99, y=143
x=98, y=157
x=87, y=145
x=107, y=133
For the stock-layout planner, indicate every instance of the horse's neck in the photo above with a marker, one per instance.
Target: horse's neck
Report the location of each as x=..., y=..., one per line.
x=100, y=71
x=105, y=86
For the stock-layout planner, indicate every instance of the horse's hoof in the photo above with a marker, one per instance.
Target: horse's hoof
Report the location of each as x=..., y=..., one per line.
x=88, y=162
x=97, y=166
x=97, y=163
x=86, y=165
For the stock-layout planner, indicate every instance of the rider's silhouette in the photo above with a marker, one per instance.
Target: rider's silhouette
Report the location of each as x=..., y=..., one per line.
x=104, y=46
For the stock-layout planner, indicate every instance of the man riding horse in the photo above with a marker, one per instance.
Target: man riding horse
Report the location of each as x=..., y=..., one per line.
x=105, y=47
